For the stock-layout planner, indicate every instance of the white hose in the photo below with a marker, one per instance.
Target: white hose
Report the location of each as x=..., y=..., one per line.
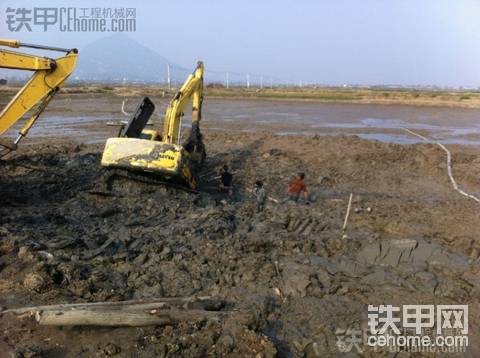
x=123, y=107
x=449, y=165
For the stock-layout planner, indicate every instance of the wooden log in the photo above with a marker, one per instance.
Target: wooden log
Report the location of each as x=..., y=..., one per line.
x=98, y=318
x=115, y=318
x=205, y=301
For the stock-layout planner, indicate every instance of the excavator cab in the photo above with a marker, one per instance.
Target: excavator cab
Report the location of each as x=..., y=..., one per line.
x=144, y=151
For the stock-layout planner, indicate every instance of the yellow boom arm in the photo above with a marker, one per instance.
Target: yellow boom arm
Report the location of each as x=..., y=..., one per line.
x=191, y=89
x=49, y=75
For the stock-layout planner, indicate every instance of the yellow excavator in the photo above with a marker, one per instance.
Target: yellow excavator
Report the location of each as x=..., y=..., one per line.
x=49, y=75
x=147, y=152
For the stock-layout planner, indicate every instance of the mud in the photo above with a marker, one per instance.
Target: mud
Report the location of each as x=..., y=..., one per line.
x=410, y=240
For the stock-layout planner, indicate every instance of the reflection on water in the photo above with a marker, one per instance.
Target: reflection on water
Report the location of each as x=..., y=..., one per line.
x=383, y=137
x=64, y=126
x=372, y=122
x=404, y=139
x=443, y=134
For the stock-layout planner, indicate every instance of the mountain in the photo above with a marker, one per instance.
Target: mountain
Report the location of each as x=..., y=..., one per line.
x=116, y=57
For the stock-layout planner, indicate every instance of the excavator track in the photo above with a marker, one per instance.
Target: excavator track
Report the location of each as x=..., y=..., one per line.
x=109, y=188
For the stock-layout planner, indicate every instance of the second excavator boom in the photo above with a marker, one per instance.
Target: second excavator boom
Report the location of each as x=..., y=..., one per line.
x=48, y=76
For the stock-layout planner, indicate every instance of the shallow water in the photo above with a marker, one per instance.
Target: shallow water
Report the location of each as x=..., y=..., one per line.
x=373, y=122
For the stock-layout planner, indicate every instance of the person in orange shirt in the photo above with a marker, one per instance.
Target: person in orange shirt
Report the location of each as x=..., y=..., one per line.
x=296, y=187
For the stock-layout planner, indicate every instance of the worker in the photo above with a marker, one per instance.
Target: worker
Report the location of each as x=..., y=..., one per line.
x=260, y=195
x=296, y=187
x=226, y=184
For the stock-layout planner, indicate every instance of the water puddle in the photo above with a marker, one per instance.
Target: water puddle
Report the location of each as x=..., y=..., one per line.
x=383, y=137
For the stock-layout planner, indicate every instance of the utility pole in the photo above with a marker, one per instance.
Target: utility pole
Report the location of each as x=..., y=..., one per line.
x=228, y=80
x=168, y=75
x=248, y=80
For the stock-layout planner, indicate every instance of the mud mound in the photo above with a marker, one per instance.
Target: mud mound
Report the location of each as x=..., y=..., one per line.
x=289, y=266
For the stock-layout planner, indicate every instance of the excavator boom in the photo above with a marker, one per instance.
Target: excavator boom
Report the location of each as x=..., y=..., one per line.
x=191, y=90
x=49, y=75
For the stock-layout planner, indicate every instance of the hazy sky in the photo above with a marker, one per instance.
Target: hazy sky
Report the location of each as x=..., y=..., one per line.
x=426, y=42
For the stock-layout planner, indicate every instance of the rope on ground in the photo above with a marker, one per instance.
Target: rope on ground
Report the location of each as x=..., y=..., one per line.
x=449, y=165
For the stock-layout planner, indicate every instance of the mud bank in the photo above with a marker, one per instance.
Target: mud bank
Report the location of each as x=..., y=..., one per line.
x=410, y=240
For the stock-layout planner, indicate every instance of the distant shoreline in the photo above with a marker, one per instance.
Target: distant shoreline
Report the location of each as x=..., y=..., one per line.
x=381, y=96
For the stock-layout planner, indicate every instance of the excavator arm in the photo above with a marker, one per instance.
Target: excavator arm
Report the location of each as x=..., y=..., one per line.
x=192, y=89
x=49, y=75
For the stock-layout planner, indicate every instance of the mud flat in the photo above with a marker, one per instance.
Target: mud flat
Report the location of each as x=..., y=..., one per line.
x=389, y=96
x=83, y=117
x=410, y=240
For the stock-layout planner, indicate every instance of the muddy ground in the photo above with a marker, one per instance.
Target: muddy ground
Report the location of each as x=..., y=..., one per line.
x=289, y=272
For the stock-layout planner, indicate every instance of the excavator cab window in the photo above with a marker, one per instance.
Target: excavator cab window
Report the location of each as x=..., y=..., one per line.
x=150, y=134
x=147, y=136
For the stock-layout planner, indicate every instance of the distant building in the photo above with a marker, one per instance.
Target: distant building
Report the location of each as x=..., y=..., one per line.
x=3, y=81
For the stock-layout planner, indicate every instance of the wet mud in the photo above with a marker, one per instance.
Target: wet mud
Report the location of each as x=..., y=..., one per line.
x=290, y=269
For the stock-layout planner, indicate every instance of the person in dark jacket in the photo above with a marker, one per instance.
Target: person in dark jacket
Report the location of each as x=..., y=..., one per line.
x=226, y=181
